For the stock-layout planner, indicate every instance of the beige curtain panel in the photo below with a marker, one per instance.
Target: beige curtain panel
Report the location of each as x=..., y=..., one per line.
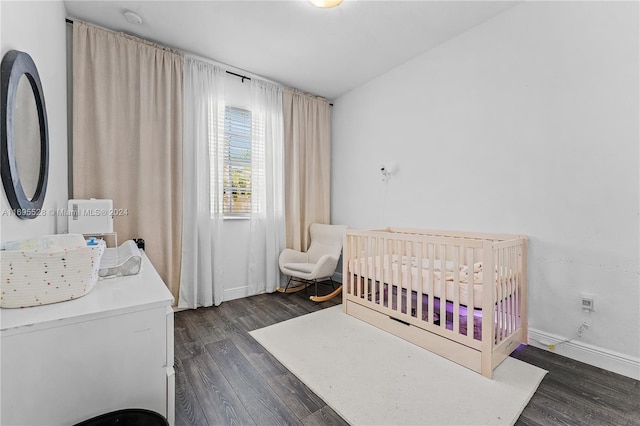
x=307, y=147
x=127, y=138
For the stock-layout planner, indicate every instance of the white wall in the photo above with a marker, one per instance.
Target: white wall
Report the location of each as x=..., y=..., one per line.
x=528, y=123
x=38, y=28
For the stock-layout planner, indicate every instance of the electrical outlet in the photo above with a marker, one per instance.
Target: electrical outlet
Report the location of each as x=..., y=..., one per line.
x=587, y=302
x=581, y=329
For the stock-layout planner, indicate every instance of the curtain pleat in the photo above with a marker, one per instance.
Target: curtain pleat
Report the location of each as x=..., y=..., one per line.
x=127, y=138
x=307, y=146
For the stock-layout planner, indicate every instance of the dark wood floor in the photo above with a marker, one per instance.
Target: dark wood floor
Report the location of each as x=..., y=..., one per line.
x=224, y=377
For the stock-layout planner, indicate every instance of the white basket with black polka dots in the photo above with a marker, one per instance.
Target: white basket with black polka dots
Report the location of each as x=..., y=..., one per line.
x=32, y=278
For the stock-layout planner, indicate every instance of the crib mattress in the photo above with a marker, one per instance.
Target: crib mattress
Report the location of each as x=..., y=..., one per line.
x=403, y=271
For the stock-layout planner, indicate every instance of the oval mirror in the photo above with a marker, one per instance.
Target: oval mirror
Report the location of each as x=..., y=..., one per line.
x=27, y=131
x=24, y=135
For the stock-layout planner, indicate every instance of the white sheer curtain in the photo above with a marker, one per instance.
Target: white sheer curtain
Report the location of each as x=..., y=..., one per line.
x=202, y=274
x=267, y=185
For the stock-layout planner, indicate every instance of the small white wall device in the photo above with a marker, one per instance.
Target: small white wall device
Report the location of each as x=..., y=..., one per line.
x=90, y=216
x=386, y=174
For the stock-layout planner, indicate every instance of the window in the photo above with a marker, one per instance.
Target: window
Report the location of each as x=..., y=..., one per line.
x=237, y=163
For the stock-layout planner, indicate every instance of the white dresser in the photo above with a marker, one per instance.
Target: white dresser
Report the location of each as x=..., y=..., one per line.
x=111, y=349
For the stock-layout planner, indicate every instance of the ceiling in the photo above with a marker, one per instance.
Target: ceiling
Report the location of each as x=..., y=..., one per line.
x=326, y=52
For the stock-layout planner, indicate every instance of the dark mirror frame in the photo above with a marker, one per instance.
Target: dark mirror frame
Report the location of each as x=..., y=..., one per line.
x=14, y=65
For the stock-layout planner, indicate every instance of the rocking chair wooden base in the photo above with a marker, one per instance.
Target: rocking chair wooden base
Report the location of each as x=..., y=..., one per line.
x=293, y=289
x=304, y=284
x=326, y=297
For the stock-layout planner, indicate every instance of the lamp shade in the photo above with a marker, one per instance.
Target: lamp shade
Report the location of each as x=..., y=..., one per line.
x=325, y=3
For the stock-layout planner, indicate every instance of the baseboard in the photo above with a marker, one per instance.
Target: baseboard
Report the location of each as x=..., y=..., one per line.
x=337, y=276
x=599, y=357
x=235, y=293
x=227, y=295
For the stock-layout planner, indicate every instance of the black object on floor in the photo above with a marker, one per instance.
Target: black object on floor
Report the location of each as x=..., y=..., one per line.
x=127, y=417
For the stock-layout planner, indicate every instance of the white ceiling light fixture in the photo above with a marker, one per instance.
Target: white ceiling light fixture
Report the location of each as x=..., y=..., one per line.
x=132, y=17
x=325, y=3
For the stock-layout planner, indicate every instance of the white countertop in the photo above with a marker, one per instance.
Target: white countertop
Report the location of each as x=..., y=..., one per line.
x=110, y=296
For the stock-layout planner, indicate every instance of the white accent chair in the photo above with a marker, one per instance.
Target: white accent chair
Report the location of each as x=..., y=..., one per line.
x=318, y=263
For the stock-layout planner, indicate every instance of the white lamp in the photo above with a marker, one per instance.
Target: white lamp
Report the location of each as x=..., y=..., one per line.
x=325, y=3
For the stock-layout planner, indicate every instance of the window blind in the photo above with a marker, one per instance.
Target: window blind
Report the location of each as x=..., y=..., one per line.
x=237, y=162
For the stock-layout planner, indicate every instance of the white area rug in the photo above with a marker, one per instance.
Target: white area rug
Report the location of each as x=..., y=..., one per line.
x=371, y=377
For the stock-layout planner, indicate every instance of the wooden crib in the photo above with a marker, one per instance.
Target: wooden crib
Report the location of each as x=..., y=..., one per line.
x=460, y=295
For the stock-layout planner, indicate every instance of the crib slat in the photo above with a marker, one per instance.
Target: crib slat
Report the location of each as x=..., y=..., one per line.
x=380, y=267
x=516, y=290
x=456, y=287
x=346, y=273
x=383, y=271
x=510, y=274
x=500, y=295
x=391, y=275
x=488, y=283
x=512, y=288
x=443, y=287
x=367, y=250
x=381, y=274
x=470, y=295
x=393, y=292
x=367, y=267
x=372, y=268
x=511, y=277
x=512, y=282
x=362, y=269
x=503, y=288
x=505, y=301
x=411, y=256
x=419, y=289
x=356, y=260
x=406, y=270
x=375, y=298
x=430, y=308
x=520, y=292
x=521, y=289
x=507, y=293
x=401, y=274
x=356, y=264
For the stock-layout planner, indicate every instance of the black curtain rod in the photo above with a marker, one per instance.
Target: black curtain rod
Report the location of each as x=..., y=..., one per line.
x=243, y=77
x=68, y=21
